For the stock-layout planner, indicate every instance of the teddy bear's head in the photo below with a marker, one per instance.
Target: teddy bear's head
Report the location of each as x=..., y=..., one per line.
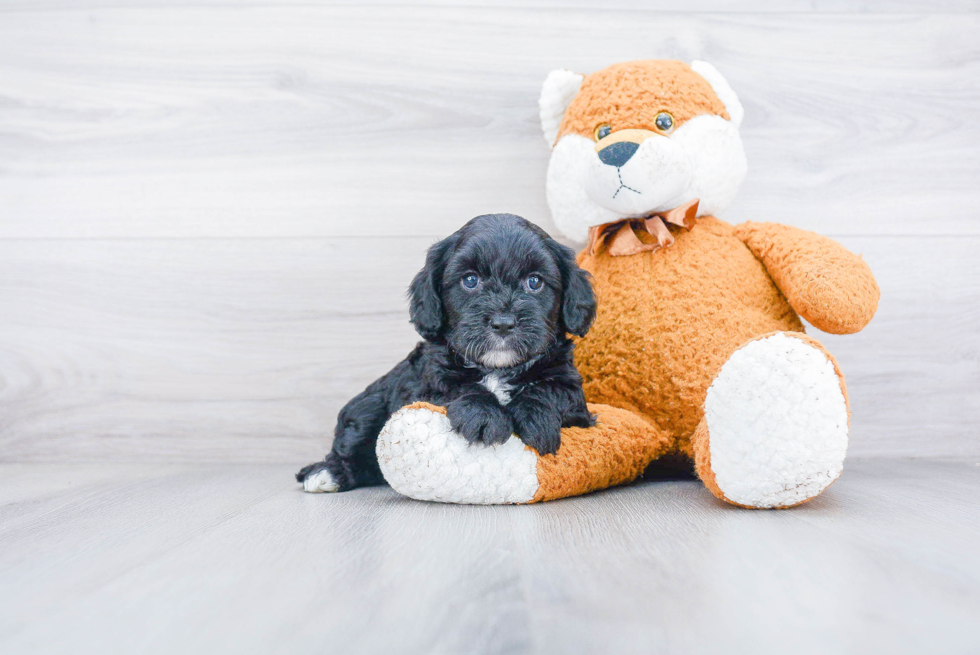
x=638, y=138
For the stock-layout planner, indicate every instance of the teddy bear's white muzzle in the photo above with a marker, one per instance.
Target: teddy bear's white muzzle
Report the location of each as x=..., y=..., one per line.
x=653, y=178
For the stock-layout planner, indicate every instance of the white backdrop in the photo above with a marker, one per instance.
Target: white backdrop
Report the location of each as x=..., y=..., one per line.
x=208, y=216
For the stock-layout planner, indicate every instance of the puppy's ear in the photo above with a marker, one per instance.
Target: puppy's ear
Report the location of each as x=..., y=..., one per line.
x=578, y=302
x=425, y=292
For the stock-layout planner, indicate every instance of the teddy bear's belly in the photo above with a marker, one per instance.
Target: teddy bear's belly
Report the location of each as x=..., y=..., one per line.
x=668, y=320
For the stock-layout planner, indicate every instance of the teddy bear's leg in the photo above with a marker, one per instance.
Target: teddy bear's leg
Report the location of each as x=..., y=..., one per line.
x=774, y=432
x=423, y=458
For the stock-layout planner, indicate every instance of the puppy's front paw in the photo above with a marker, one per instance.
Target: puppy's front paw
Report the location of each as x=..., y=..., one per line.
x=538, y=427
x=480, y=420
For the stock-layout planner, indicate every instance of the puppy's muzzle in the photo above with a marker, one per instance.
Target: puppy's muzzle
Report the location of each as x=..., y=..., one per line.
x=503, y=324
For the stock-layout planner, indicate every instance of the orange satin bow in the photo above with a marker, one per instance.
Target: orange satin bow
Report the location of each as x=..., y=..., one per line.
x=623, y=241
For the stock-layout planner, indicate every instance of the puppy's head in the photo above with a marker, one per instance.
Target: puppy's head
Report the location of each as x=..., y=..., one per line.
x=500, y=291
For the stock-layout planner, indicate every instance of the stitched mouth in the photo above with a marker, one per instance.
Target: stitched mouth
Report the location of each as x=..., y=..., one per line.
x=622, y=185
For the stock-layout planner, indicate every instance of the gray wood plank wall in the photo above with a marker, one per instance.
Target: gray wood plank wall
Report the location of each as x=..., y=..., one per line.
x=208, y=215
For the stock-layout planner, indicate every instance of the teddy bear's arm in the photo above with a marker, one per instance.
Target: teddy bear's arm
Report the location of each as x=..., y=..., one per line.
x=826, y=284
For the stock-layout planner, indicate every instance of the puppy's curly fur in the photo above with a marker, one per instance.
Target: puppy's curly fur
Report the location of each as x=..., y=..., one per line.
x=494, y=303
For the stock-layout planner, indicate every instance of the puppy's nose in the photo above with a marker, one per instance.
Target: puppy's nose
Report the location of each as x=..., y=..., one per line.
x=618, y=153
x=502, y=324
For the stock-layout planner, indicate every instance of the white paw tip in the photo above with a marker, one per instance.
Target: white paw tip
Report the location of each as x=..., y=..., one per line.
x=423, y=458
x=320, y=482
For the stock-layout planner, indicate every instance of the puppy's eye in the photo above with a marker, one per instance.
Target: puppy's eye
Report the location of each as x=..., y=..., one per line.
x=602, y=130
x=664, y=121
x=534, y=282
x=470, y=281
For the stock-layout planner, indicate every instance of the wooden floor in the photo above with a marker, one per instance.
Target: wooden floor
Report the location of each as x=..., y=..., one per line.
x=234, y=558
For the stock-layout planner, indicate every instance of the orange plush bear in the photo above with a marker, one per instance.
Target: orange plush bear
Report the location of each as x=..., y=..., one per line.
x=697, y=349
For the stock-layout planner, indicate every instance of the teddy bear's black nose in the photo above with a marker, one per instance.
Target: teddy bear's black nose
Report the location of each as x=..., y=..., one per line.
x=618, y=153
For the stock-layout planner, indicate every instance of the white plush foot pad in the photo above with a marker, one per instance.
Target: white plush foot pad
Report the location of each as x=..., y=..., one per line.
x=320, y=482
x=423, y=458
x=777, y=423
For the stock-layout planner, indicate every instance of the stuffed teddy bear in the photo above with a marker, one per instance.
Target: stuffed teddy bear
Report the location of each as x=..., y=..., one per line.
x=697, y=349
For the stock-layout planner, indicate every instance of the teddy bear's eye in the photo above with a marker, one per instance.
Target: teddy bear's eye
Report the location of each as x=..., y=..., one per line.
x=664, y=121
x=602, y=130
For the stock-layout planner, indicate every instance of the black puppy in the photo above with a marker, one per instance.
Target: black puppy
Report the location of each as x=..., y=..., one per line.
x=494, y=303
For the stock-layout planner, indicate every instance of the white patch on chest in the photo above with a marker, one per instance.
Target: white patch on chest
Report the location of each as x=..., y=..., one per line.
x=497, y=387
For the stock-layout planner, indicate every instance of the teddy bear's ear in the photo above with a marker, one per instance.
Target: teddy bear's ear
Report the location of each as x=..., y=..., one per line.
x=722, y=90
x=559, y=89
